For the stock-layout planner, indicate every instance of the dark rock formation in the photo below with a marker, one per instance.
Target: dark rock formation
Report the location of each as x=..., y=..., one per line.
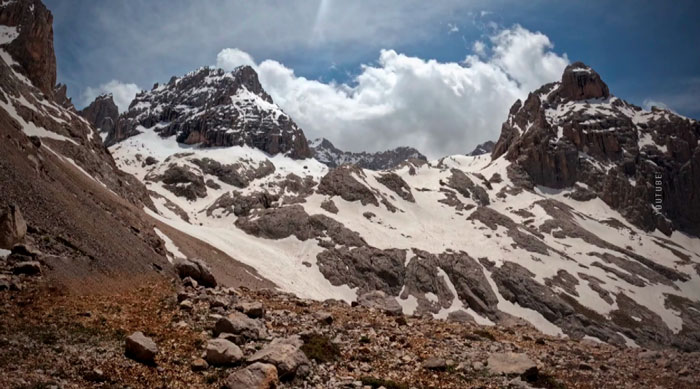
x=213, y=108
x=33, y=46
x=340, y=182
x=484, y=148
x=394, y=182
x=326, y=153
x=367, y=268
x=102, y=113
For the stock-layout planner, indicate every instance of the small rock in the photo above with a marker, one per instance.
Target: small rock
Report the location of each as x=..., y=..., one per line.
x=256, y=376
x=324, y=317
x=253, y=310
x=141, y=348
x=95, y=375
x=186, y=305
x=199, y=364
x=239, y=324
x=434, y=363
x=585, y=366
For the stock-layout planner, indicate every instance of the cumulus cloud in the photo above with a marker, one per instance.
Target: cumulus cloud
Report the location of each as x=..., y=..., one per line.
x=440, y=108
x=122, y=93
x=232, y=58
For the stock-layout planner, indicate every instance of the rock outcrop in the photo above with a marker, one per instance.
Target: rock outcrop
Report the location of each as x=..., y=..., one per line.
x=12, y=227
x=102, y=113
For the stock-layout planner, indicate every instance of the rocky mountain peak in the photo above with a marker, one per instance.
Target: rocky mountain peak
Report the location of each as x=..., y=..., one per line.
x=27, y=35
x=581, y=82
x=483, y=148
x=213, y=108
x=575, y=132
x=325, y=152
x=102, y=113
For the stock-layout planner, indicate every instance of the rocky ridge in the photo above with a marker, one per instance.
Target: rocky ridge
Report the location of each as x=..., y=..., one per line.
x=326, y=153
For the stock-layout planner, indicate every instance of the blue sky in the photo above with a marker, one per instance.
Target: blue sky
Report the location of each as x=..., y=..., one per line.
x=646, y=51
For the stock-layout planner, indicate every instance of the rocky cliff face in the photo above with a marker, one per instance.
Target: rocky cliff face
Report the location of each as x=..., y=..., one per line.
x=83, y=215
x=213, y=108
x=642, y=163
x=30, y=24
x=326, y=153
x=103, y=114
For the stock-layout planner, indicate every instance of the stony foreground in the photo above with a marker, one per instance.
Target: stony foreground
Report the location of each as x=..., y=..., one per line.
x=51, y=339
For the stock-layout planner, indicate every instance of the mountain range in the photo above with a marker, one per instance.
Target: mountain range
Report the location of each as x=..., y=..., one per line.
x=580, y=222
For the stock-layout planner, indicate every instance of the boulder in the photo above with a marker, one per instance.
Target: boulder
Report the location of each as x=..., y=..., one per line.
x=510, y=363
x=221, y=352
x=380, y=301
x=254, y=309
x=239, y=324
x=141, y=348
x=256, y=376
x=12, y=227
x=284, y=354
x=460, y=316
x=197, y=270
x=434, y=363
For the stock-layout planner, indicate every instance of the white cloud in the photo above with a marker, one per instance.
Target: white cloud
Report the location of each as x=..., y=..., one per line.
x=452, y=28
x=123, y=93
x=479, y=48
x=233, y=58
x=439, y=108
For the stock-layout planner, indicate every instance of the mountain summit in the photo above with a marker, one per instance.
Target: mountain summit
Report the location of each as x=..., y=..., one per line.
x=213, y=108
x=646, y=164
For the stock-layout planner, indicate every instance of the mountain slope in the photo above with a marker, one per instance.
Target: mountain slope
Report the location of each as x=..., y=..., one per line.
x=326, y=153
x=83, y=214
x=471, y=235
